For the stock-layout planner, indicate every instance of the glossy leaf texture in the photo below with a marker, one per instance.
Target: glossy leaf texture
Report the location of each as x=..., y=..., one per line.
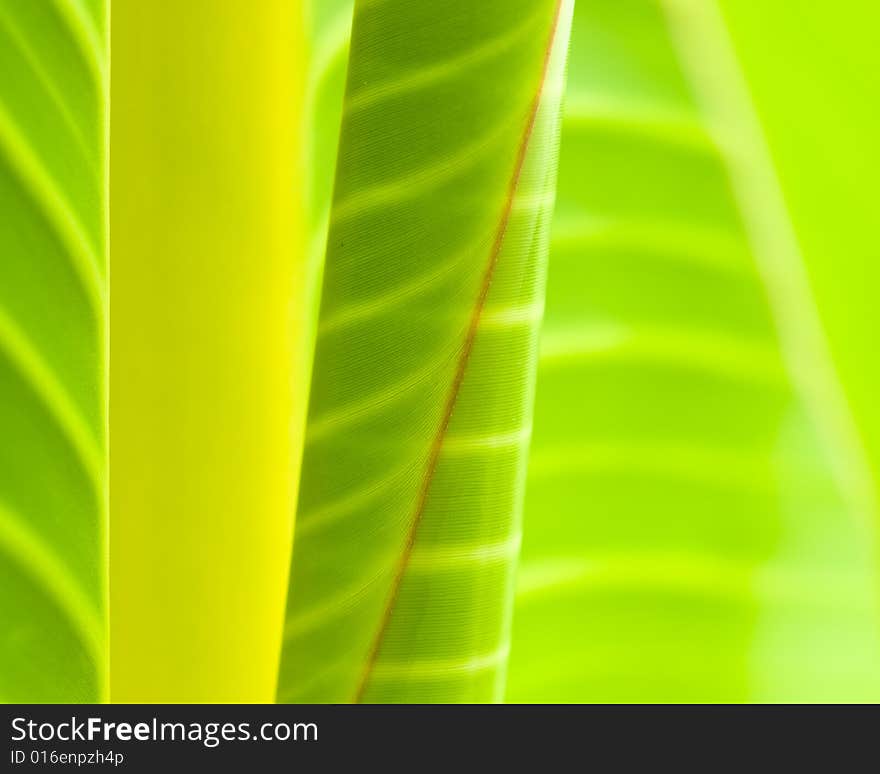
x=420, y=412
x=53, y=60
x=698, y=520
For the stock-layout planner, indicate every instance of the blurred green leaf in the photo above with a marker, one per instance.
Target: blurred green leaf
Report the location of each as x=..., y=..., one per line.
x=816, y=92
x=697, y=522
x=408, y=523
x=52, y=291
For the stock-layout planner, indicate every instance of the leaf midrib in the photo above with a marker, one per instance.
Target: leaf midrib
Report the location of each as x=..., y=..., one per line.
x=463, y=360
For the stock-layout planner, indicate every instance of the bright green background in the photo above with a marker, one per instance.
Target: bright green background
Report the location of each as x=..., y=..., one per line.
x=698, y=527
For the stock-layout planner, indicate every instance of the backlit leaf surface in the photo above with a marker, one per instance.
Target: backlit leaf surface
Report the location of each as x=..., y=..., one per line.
x=698, y=522
x=408, y=523
x=53, y=61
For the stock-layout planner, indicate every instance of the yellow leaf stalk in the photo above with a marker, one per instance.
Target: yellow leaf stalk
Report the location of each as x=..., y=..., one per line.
x=208, y=311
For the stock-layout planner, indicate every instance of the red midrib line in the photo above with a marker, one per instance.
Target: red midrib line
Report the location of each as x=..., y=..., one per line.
x=461, y=369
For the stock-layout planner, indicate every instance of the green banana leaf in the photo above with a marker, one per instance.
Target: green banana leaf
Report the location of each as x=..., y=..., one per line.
x=822, y=119
x=53, y=532
x=420, y=412
x=698, y=519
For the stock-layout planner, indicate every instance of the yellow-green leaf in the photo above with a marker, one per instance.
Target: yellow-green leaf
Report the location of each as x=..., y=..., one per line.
x=699, y=518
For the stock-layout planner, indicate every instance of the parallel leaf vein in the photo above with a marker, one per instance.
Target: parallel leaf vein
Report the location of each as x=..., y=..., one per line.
x=53, y=397
x=461, y=369
x=44, y=192
x=46, y=568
